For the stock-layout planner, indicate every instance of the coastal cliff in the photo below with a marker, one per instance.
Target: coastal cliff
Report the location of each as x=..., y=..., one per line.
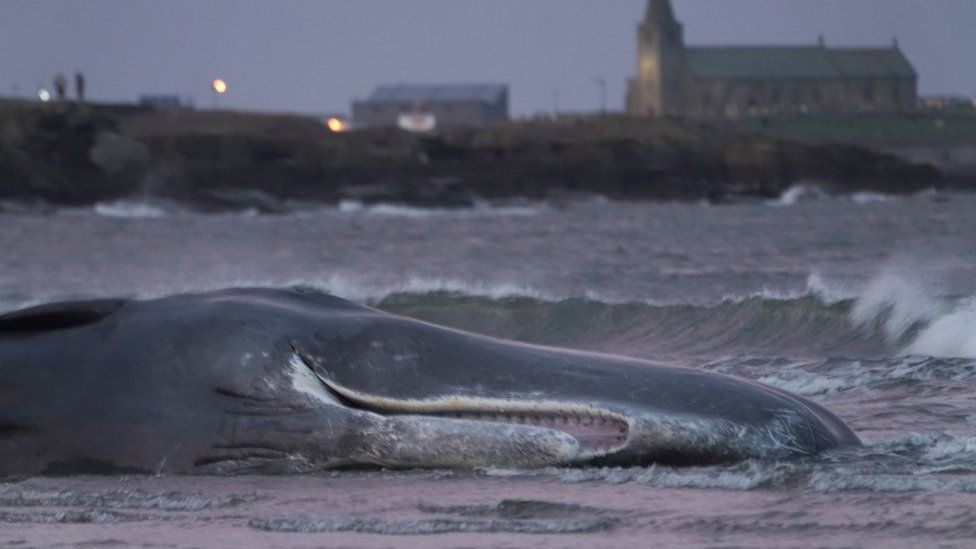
x=69, y=154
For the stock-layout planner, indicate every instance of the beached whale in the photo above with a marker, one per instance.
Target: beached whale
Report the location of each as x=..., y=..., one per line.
x=265, y=380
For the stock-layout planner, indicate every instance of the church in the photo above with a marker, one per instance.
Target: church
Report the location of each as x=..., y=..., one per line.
x=674, y=79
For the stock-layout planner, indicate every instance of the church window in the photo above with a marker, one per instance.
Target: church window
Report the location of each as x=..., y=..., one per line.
x=869, y=91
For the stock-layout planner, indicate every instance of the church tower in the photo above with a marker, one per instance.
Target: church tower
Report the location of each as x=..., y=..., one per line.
x=660, y=56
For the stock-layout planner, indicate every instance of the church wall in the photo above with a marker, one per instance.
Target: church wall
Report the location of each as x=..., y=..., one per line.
x=734, y=98
x=665, y=84
x=908, y=93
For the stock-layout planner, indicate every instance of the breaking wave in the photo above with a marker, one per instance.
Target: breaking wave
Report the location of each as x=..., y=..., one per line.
x=890, y=317
x=893, y=315
x=913, y=316
x=130, y=210
x=803, y=326
x=811, y=192
x=154, y=208
x=482, y=209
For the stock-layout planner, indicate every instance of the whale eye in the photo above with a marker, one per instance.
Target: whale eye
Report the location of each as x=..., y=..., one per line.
x=58, y=316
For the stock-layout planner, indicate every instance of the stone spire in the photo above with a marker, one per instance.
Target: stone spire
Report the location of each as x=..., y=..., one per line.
x=659, y=11
x=660, y=61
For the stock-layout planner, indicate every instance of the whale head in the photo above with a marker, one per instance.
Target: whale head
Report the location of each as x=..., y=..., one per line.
x=418, y=394
x=294, y=380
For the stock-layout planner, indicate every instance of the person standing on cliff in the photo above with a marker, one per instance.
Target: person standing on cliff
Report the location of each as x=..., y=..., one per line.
x=80, y=86
x=61, y=86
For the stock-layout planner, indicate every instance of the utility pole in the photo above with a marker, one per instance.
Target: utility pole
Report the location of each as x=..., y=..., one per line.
x=555, y=100
x=602, y=84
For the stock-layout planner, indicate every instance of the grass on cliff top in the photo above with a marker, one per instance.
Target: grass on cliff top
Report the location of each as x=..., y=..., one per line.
x=879, y=130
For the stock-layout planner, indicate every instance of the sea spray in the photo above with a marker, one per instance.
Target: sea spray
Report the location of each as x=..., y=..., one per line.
x=898, y=303
x=914, y=316
x=951, y=335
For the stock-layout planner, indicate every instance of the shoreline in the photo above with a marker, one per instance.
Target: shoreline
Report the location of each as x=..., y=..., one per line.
x=66, y=154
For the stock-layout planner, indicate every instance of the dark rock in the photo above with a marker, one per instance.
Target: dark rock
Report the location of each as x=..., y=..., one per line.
x=65, y=154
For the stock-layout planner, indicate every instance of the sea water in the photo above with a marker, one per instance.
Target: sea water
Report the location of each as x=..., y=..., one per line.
x=866, y=305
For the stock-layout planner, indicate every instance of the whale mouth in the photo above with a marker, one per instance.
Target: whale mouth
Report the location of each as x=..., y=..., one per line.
x=598, y=431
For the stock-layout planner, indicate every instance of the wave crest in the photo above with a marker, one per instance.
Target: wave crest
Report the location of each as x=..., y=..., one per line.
x=913, y=316
x=798, y=327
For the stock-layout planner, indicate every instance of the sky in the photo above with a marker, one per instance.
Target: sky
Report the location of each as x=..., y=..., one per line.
x=316, y=56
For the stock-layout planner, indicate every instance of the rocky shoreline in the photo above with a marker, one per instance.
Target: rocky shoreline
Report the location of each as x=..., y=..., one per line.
x=77, y=155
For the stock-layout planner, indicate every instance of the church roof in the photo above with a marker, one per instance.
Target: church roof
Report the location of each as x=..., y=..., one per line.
x=796, y=62
x=438, y=93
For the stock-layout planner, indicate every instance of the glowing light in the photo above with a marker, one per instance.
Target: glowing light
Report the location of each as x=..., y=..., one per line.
x=337, y=125
x=43, y=95
x=219, y=85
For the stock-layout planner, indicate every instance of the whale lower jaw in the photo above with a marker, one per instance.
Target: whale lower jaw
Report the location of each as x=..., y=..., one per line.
x=475, y=431
x=597, y=431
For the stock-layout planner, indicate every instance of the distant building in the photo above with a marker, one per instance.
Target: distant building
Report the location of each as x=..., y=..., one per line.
x=733, y=81
x=948, y=103
x=447, y=105
x=160, y=102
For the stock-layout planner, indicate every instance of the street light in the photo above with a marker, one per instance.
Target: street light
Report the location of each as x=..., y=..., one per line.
x=219, y=87
x=337, y=125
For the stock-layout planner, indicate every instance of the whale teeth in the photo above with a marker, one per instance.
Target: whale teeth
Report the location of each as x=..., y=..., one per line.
x=596, y=430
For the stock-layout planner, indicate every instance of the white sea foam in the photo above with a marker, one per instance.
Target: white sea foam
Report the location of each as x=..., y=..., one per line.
x=129, y=209
x=869, y=197
x=765, y=294
x=798, y=193
x=353, y=288
x=899, y=302
x=865, y=373
x=805, y=192
x=810, y=384
x=356, y=288
x=951, y=335
x=945, y=329
x=954, y=448
x=828, y=293
x=748, y=475
x=823, y=481
x=400, y=210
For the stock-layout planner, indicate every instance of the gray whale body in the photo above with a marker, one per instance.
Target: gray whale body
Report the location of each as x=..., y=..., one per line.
x=268, y=380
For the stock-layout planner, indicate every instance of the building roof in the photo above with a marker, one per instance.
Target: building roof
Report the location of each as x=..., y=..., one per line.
x=440, y=93
x=803, y=62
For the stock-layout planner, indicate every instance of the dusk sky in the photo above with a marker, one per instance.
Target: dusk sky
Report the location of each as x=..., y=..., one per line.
x=316, y=56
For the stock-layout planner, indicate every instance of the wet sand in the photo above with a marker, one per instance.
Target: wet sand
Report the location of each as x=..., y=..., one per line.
x=383, y=509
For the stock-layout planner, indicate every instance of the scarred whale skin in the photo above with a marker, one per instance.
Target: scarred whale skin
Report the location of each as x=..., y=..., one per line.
x=291, y=380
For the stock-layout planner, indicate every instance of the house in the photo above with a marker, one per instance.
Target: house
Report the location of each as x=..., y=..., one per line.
x=444, y=105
